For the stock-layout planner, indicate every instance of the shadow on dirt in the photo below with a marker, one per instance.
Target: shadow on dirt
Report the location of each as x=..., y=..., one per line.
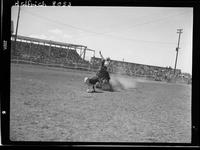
x=95, y=92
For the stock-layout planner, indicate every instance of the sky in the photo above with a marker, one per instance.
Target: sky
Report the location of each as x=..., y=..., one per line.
x=143, y=35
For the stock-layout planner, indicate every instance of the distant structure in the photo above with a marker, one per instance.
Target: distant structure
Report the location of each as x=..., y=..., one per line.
x=29, y=41
x=57, y=54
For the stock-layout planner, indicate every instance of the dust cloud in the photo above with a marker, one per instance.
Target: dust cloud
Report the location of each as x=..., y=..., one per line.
x=122, y=83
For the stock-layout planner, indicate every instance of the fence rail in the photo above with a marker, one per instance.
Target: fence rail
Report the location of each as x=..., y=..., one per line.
x=89, y=67
x=70, y=66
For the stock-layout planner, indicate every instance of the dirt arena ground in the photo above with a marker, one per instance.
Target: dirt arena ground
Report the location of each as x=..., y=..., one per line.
x=51, y=104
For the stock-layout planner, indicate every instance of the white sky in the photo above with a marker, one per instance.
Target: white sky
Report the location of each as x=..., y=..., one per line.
x=145, y=35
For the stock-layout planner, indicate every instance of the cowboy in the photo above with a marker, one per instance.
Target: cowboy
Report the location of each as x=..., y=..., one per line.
x=102, y=76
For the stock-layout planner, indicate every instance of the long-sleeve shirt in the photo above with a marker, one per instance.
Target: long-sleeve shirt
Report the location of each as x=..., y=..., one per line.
x=103, y=73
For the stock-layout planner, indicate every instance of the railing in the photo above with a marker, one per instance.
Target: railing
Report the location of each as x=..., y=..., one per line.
x=70, y=66
x=87, y=67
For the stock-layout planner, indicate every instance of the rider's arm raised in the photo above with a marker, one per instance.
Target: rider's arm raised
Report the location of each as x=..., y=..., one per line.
x=101, y=55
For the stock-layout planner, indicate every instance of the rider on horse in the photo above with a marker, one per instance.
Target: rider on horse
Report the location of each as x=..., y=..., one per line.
x=102, y=76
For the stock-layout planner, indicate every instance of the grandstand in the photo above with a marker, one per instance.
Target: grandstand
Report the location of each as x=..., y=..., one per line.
x=139, y=70
x=58, y=54
x=34, y=50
